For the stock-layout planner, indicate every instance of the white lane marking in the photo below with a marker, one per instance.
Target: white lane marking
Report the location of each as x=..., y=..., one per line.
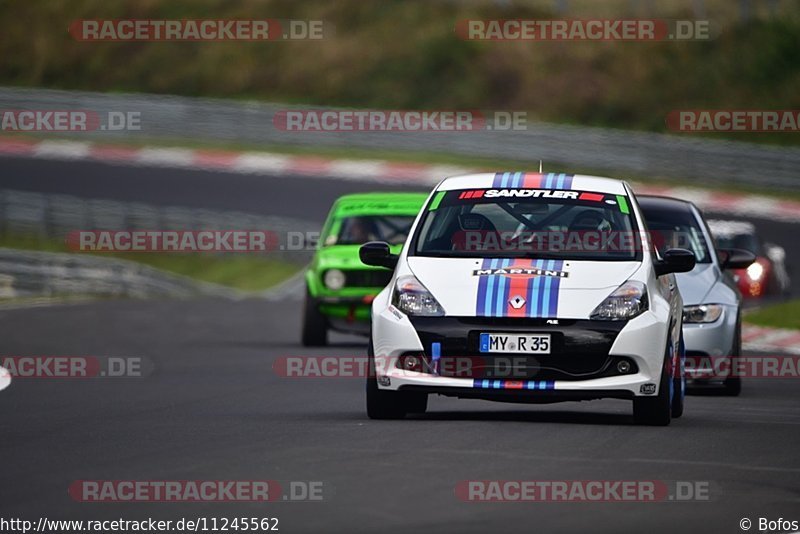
x=436, y=173
x=763, y=347
x=700, y=197
x=62, y=150
x=764, y=339
x=386, y=172
x=356, y=170
x=257, y=163
x=168, y=157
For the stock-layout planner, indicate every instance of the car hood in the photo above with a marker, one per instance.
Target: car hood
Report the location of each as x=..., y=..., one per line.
x=697, y=283
x=520, y=288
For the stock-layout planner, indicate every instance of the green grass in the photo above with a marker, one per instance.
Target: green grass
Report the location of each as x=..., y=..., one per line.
x=245, y=272
x=784, y=315
x=405, y=55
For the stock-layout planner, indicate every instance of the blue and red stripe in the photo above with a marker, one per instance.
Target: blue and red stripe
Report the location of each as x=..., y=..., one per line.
x=540, y=385
x=530, y=180
x=541, y=293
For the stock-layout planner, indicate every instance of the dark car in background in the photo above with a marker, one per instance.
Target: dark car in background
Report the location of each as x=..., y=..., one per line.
x=769, y=274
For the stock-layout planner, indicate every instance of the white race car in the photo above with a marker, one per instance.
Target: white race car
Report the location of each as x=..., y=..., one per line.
x=528, y=287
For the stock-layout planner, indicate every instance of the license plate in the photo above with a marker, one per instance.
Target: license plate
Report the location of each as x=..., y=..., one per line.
x=515, y=343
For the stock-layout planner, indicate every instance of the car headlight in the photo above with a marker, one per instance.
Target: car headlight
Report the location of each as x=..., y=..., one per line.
x=703, y=313
x=412, y=298
x=755, y=271
x=626, y=302
x=334, y=279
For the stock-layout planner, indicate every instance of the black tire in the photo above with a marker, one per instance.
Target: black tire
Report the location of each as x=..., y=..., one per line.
x=416, y=402
x=315, y=324
x=679, y=381
x=655, y=411
x=732, y=386
x=382, y=404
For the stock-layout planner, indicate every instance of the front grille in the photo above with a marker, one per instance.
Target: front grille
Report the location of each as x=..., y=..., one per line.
x=579, y=348
x=521, y=367
x=367, y=278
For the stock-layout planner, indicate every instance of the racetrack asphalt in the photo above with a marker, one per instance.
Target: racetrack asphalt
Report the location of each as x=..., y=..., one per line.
x=214, y=409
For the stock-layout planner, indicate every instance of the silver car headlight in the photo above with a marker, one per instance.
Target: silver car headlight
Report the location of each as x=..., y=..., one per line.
x=703, y=313
x=412, y=298
x=334, y=279
x=626, y=302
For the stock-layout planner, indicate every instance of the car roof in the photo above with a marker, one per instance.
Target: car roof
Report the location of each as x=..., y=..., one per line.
x=534, y=180
x=659, y=202
x=379, y=203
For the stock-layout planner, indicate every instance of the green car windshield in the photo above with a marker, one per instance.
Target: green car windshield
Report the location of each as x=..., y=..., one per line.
x=359, y=229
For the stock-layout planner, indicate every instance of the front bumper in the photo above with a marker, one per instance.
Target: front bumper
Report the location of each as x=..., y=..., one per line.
x=582, y=363
x=347, y=313
x=710, y=345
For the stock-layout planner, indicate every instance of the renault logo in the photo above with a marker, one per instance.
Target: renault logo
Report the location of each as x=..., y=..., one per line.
x=517, y=302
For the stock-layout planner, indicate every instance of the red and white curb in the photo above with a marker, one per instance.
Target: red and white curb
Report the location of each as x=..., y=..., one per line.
x=777, y=340
x=266, y=163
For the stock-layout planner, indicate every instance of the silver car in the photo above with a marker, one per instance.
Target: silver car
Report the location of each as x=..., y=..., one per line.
x=712, y=319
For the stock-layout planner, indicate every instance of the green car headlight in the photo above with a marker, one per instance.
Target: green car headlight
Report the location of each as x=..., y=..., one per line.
x=334, y=279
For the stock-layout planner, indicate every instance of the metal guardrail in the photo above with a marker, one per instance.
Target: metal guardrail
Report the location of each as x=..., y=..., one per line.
x=50, y=216
x=617, y=151
x=48, y=274
x=54, y=216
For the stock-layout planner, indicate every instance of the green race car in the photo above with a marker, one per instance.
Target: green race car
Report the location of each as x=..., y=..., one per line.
x=339, y=288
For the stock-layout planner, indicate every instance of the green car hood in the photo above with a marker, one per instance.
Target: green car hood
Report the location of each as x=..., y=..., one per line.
x=343, y=257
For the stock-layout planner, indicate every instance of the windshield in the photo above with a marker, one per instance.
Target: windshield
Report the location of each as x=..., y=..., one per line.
x=358, y=230
x=528, y=223
x=675, y=228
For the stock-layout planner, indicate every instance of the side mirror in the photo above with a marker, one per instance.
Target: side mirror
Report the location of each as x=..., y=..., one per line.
x=736, y=258
x=377, y=254
x=676, y=260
